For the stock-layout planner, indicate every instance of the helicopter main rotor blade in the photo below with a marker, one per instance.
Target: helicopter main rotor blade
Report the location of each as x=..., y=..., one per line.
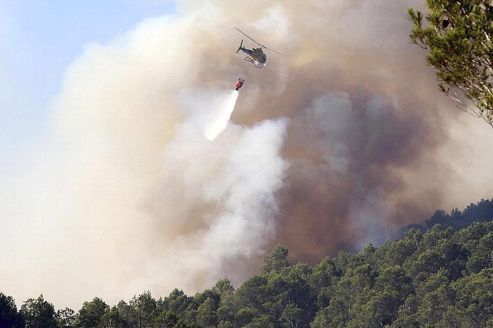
x=277, y=52
x=248, y=36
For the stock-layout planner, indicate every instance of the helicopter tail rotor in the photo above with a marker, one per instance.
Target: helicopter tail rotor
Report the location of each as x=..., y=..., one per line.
x=239, y=48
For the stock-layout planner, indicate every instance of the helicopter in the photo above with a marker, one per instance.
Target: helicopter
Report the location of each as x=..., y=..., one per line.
x=255, y=56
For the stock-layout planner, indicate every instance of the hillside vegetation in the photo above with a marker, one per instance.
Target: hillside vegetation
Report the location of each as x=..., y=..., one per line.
x=442, y=277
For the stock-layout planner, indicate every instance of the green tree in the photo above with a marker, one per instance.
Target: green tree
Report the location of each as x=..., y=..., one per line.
x=246, y=315
x=9, y=317
x=38, y=313
x=474, y=295
x=407, y=316
x=144, y=310
x=206, y=313
x=165, y=320
x=292, y=316
x=91, y=314
x=323, y=280
x=454, y=318
x=252, y=293
x=177, y=302
x=225, y=310
x=65, y=318
x=458, y=35
x=261, y=321
x=435, y=297
x=276, y=260
x=113, y=319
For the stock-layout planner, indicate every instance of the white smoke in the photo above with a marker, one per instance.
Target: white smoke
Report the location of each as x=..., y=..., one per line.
x=127, y=195
x=214, y=203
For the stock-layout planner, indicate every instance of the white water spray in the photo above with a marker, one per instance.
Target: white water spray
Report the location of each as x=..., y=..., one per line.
x=219, y=120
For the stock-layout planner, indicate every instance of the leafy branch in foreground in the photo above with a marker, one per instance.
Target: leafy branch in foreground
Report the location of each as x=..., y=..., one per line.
x=458, y=37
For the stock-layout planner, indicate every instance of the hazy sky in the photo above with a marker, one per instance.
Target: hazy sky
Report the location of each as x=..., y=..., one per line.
x=38, y=41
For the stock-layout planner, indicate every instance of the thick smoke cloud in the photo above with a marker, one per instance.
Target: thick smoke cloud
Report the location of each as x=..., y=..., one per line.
x=333, y=145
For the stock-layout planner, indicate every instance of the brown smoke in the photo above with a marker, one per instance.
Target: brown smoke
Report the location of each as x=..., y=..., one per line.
x=334, y=144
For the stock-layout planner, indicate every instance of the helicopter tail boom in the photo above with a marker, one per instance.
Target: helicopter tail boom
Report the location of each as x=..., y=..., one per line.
x=241, y=45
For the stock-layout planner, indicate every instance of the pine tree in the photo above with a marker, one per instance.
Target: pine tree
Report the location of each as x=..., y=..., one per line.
x=458, y=37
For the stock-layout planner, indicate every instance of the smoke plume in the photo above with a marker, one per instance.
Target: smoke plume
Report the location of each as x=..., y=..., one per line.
x=332, y=145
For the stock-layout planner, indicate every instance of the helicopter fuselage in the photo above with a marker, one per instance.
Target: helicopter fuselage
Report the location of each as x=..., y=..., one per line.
x=256, y=56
